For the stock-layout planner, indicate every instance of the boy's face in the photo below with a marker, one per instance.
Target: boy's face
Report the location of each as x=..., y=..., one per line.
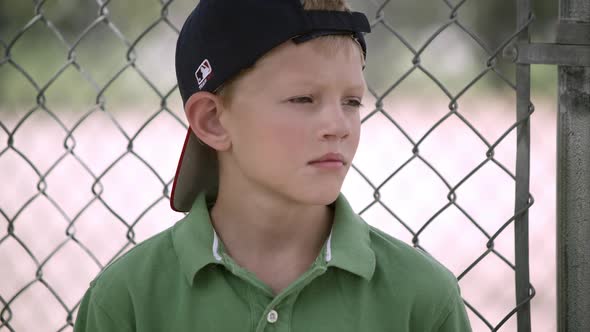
x=298, y=104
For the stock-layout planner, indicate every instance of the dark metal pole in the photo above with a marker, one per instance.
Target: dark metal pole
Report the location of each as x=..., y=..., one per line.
x=573, y=176
x=523, y=138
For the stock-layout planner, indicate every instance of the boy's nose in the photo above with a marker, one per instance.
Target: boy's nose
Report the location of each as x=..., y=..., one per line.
x=335, y=124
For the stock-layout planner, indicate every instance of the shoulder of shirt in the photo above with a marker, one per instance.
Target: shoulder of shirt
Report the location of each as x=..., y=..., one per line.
x=144, y=259
x=403, y=258
x=427, y=283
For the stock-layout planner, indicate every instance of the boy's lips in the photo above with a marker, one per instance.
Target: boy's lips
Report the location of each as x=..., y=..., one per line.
x=332, y=157
x=334, y=164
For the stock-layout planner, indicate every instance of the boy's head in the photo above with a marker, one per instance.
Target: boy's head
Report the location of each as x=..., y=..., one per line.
x=268, y=87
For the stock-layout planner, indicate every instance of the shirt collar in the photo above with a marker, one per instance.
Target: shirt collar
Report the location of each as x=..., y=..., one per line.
x=194, y=238
x=348, y=246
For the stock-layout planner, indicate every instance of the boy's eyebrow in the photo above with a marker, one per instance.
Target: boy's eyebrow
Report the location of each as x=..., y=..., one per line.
x=308, y=82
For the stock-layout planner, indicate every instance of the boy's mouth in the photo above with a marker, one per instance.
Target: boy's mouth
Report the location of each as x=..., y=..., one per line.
x=332, y=157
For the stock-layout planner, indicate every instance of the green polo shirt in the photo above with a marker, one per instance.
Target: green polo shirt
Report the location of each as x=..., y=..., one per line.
x=362, y=280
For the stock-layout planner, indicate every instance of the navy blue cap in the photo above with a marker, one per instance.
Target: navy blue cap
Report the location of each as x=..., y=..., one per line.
x=222, y=37
x=219, y=39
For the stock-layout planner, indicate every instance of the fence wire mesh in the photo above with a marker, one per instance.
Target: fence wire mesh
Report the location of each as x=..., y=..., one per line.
x=13, y=241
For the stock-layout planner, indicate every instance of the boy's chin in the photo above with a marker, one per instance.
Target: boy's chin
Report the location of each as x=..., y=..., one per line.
x=325, y=195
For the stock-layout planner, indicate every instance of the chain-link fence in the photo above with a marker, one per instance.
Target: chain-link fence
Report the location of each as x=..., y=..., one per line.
x=98, y=180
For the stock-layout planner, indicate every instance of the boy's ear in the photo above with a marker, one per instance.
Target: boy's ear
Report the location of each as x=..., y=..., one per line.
x=202, y=111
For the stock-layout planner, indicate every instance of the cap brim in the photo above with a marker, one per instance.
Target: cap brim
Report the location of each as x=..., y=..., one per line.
x=197, y=171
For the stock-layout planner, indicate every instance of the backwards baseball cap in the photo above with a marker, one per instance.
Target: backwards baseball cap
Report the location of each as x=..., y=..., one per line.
x=222, y=37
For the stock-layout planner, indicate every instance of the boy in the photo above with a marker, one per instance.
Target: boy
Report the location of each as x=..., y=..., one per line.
x=271, y=90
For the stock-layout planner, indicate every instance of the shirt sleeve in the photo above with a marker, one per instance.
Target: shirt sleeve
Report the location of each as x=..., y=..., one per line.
x=93, y=318
x=456, y=320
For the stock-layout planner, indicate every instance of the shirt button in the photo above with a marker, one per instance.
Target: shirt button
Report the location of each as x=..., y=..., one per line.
x=272, y=316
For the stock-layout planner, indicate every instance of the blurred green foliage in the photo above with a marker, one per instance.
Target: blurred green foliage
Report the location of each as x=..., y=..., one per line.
x=32, y=56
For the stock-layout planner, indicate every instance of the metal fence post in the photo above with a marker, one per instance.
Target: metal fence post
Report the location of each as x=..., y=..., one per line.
x=523, y=138
x=573, y=175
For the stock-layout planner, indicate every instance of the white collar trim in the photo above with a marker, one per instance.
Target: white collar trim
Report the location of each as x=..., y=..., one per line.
x=329, y=248
x=215, y=248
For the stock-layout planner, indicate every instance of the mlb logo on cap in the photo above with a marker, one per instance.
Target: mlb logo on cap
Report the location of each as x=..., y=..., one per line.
x=203, y=73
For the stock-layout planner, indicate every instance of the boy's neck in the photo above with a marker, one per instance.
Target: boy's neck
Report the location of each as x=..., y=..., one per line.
x=277, y=242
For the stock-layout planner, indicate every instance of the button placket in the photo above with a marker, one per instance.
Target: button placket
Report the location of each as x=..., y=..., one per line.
x=286, y=300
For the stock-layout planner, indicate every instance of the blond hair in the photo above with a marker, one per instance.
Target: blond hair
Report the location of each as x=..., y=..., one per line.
x=330, y=44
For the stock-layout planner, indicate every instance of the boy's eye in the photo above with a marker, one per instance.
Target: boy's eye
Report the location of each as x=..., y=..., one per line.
x=301, y=99
x=351, y=102
x=355, y=103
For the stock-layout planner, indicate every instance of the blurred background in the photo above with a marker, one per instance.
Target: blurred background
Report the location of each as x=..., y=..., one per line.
x=91, y=128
